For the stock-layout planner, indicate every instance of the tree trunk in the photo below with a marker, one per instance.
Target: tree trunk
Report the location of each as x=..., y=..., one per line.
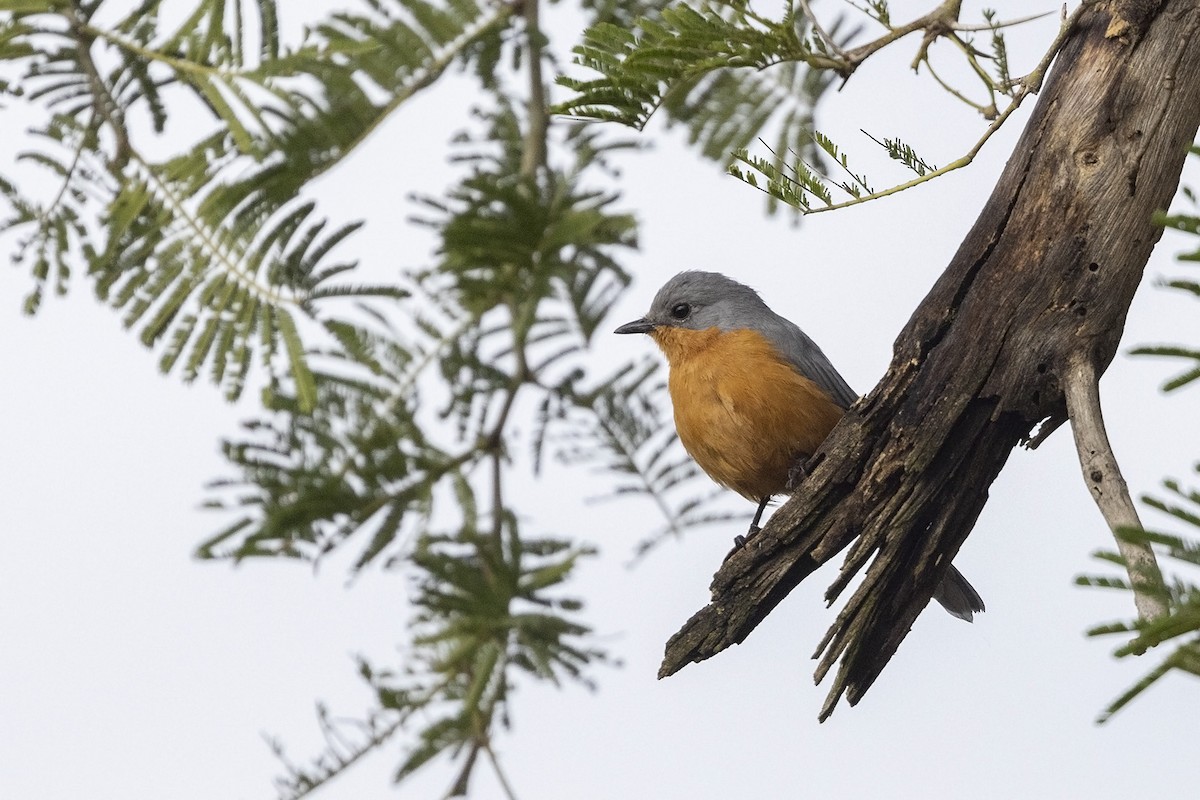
x=1045, y=276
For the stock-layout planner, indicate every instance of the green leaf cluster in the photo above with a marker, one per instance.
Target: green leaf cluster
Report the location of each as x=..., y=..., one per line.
x=726, y=73
x=184, y=156
x=410, y=426
x=732, y=75
x=211, y=251
x=488, y=611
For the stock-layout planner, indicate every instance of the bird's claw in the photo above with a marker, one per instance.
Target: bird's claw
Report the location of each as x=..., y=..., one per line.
x=796, y=473
x=740, y=541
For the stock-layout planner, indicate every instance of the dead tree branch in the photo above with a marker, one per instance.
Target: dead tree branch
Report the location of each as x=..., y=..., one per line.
x=1103, y=477
x=1047, y=271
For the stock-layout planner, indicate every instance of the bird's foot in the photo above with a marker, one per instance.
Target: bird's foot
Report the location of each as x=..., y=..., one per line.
x=796, y=473
x=740, y=541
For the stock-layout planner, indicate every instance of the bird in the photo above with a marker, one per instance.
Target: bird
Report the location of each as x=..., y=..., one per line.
x=753, y=395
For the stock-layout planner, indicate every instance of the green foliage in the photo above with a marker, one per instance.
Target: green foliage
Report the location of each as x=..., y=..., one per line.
x=999, y=48
x=211, y=252
x=1180, y=627
x=642, y=64
x=411, y=424
x=388, y=429
x=184, y=160
x=487, y=611
x=622, y=13
x=525, y=276
x=1190, y=355
x=312, y=480
x=899, y=151
x=803, y=186
x=726, y=73
x=731, y=75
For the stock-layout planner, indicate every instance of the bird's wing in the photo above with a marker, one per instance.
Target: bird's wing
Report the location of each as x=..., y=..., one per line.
x=803, y=353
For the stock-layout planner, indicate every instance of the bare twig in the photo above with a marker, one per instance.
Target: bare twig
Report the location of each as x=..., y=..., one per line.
x=1103, y=478
x=504, y=784
x=1030, y=84
x=934, y=24
x=991, y=26
x=825, y=38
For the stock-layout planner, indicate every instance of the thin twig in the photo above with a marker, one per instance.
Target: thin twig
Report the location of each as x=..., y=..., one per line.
x=1103, y=477
x=988, y=111
x=504, y=784
x=463, y=780
x=825, y=38
x=1030, y=84
x=103, y=103
x=944, y=15
x=971, y=54
x=992, y=26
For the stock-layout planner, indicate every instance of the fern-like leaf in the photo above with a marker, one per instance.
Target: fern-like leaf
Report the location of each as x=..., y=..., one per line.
x=727, y=74
x=212, y=254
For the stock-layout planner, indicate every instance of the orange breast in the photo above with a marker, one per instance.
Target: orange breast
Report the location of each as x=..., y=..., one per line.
x=743, y=413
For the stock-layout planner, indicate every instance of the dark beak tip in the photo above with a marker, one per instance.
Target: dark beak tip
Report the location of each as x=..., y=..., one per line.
x=637, y=326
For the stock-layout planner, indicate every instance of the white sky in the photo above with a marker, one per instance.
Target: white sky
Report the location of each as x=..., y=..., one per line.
x=131, y=670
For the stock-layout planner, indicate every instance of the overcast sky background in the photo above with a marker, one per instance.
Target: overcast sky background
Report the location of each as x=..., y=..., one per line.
x=131, y=670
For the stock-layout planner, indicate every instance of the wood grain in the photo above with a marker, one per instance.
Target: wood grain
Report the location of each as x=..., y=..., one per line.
x=1046, y=273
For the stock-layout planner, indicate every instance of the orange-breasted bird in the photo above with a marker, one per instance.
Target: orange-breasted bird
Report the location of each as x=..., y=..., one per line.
x=754, y=397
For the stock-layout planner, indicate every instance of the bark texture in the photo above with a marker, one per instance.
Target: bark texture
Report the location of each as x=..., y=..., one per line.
x=1046, y=275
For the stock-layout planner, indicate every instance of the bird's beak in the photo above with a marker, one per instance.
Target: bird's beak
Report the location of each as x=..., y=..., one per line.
x=642, y=325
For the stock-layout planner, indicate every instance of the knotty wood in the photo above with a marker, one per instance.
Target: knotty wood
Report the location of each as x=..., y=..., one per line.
x=1046, y=273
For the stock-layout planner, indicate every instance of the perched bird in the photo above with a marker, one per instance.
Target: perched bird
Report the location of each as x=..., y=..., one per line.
x=754, y=397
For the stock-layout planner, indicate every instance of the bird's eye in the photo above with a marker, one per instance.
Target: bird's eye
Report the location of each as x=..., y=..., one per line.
x=681, y=310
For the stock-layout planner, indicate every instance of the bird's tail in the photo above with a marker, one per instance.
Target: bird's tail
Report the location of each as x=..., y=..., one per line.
x=957, y=596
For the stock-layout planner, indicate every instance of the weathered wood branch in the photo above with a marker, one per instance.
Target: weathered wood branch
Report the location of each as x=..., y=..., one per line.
x=1103, y=477
x=1045, y=276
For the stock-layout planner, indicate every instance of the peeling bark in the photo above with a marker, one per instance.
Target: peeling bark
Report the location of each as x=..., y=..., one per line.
x=1044, y=277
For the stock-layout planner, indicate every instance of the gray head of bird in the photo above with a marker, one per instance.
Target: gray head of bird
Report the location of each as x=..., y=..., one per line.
x=700, y=300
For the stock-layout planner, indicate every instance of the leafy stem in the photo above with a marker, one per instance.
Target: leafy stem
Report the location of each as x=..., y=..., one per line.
x=1030, y=84
x=103, y=103
x=205, y=235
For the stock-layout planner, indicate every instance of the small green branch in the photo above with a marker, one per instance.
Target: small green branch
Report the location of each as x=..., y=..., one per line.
x=104, y=104
x=463, y=780
x=972, y=57
x=177, y=64
x=987, y=111
x=423, y=79
x=1030, y=84
x=45, y=214
x=628, y=451
x=420, y=79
